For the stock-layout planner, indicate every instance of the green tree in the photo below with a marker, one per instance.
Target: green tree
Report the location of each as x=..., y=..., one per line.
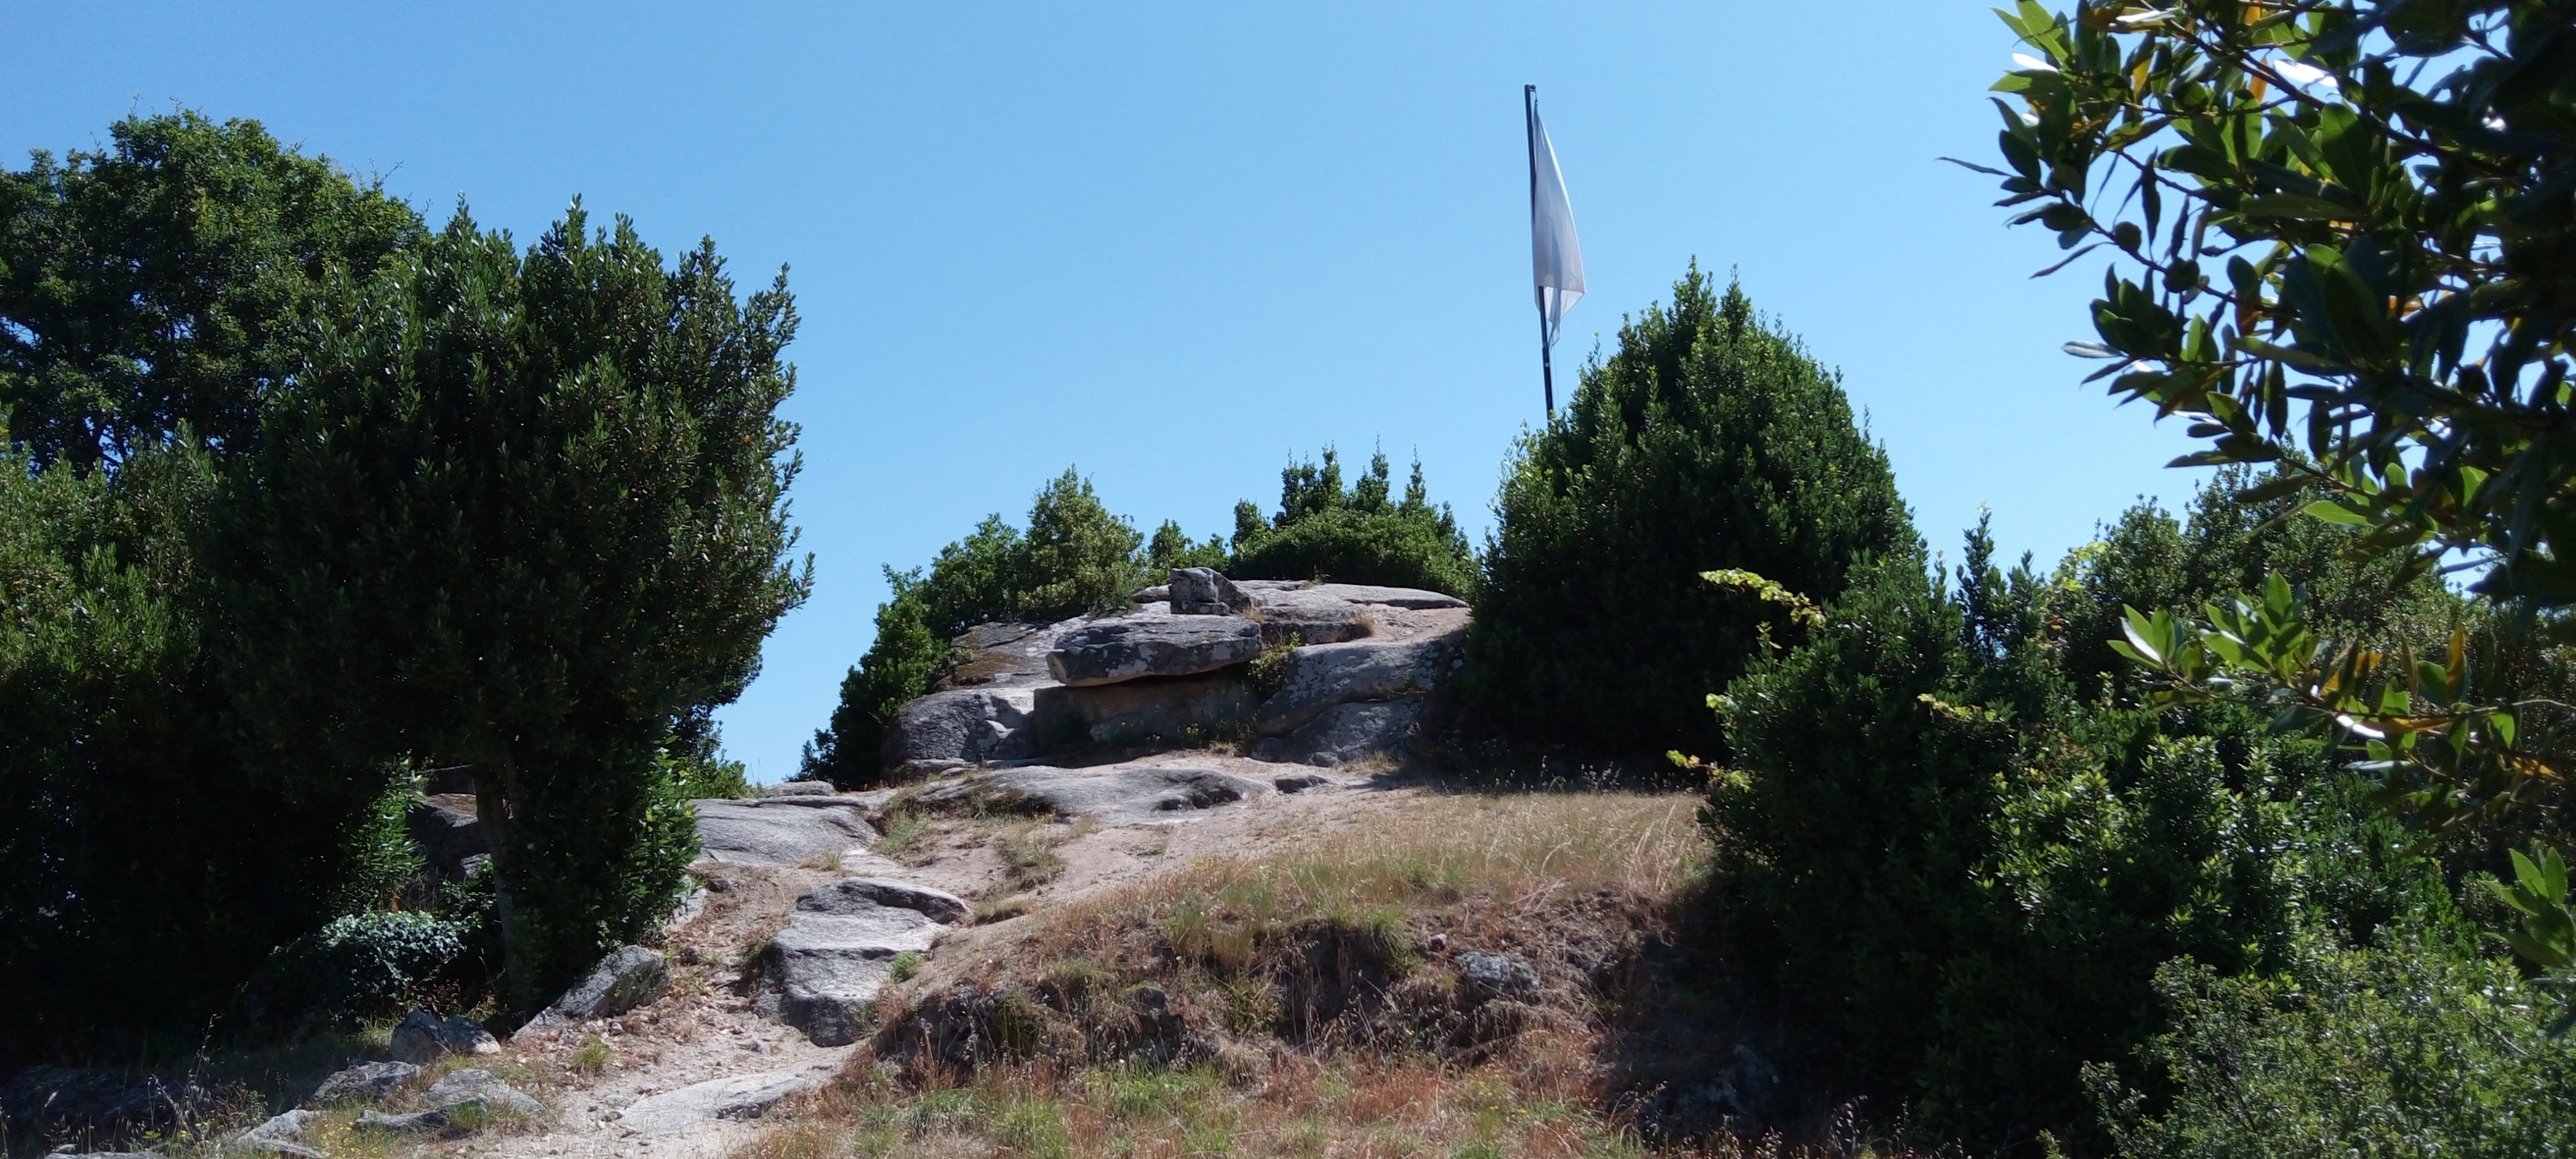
x=522, y=512
x=171, y=280
x=1708, y=441
x=1363, y=534
x=2341, y=237
x=1076, y=557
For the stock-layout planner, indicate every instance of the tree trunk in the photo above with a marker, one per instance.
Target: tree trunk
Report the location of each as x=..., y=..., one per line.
x=496, y=784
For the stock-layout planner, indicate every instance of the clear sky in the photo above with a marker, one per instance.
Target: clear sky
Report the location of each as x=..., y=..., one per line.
x=1175, y=244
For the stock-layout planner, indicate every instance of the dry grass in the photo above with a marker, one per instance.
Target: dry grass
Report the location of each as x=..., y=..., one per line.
x=1566, y=881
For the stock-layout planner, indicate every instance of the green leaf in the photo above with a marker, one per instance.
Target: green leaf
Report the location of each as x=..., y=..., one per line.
x=2334, y=512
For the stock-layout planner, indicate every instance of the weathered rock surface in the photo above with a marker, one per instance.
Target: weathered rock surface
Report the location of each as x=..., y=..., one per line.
x=83, y=1098
x=855, y=894
x=779, y=830
x=735, y=1097
x=365, y=1082
x=1330, y=674
x=826, y=968
x=448, y=831
x=964, y=726
x=798, y=789
x=1202, y=591
x=1299, y=619
x=282, y=1135
x=1487, y=977
x=1113, y=794
x=1148, y=709
x=468, y=1086
x=1414, y=598
x=421, y=1036
x=1008, y=655
x=1348, y=732
x=1115, y=650
x=620, y=982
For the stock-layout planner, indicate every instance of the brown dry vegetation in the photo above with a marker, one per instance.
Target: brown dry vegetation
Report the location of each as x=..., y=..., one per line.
x=1304, y=999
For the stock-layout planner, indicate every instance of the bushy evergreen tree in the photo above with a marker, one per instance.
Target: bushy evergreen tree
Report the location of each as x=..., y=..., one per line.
x=522, y=512
x=1707, y=441
x=1076, y=557
x=1362, y=535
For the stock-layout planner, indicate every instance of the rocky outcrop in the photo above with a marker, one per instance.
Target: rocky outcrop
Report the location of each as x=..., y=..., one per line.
x=961, y=726
x=464, y=1100
x=824, y=971
x=621, y=982
x=1176, y=669
x=780, y=830
x=736, y=1097
x=1117, y=650
x=1143, y=710
x=1332, y=674
x=422, y=1036
x=81, y=1100
x=449, y=833
x=1112, y=795
x=366, y=1082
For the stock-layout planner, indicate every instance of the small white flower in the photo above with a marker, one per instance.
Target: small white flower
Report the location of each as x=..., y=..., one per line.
x=2032, y=63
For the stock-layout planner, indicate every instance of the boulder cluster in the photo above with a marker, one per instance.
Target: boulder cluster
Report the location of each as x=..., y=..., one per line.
x=1320, y=674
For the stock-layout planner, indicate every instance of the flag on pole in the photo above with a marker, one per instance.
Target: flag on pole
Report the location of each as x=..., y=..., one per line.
x=1556, y=257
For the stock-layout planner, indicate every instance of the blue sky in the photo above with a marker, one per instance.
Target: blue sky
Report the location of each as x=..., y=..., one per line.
x=1173, y=245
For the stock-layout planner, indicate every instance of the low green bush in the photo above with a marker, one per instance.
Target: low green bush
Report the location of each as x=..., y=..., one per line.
x=2351, y=1054
x=1360, y=535
x=364, y=966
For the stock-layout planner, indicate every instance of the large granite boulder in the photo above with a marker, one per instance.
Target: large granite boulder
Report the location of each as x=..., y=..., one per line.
x=958, y=727
x=825, y=969
x=1330, y=674
x=779, y=830
x=448, y=831
x=1124, y=794
x=1348, y=732
x=82, y=1099
x=854, y=894
x=1147, y=709
x=620, y=982
x=741, y=1096
x=1203, y=591
x=1115, y=650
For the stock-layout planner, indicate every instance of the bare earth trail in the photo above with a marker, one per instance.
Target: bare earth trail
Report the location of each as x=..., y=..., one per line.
x=603, y=1076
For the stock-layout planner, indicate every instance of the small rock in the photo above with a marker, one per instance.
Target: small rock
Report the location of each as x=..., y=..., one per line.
x=938, y=905
x=422, y=1037
x=1113, y=651
x=416, y=1123
x=283, y=1135
x=738, y=1097
x=828, y=967
x=464, y=1086
x=1486, y=977
x=1298, y=783
x=621, y=982
x=1112, y=794
x=366, y=1082
x=1202, y=591
x=779, y=830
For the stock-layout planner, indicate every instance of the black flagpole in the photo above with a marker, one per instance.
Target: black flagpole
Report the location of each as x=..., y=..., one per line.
x=1529, y=126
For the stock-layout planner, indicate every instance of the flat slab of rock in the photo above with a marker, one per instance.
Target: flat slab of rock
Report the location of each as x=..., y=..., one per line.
x=467, y=1086
x=737, y=1097
x=622, y=981
x=1112, y=794
x=365, y=1082
x=963, y=725
x=1349, y=732
x=1142, y=710
x=1330, y=674
x=826, y=968
x=422, y=1036
x=1391, y=597
x=855, y=894
x=1132, y=648
x=779, y=830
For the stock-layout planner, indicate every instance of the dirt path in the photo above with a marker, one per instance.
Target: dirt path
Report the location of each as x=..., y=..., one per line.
x=707, y=1027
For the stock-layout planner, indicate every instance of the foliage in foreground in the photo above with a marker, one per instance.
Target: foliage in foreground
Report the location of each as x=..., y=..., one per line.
x=1708, y=441
x=1958, y=876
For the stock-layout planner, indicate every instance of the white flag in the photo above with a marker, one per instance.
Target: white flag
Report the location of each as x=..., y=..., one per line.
x=1556, y=258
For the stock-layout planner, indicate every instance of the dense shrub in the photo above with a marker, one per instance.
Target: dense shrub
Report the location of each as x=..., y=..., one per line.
x=366, y=965
x=2401, y=1051
x=1956, y=877
x=1075, y=557
x=1360, y=535
x=1707, y=441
